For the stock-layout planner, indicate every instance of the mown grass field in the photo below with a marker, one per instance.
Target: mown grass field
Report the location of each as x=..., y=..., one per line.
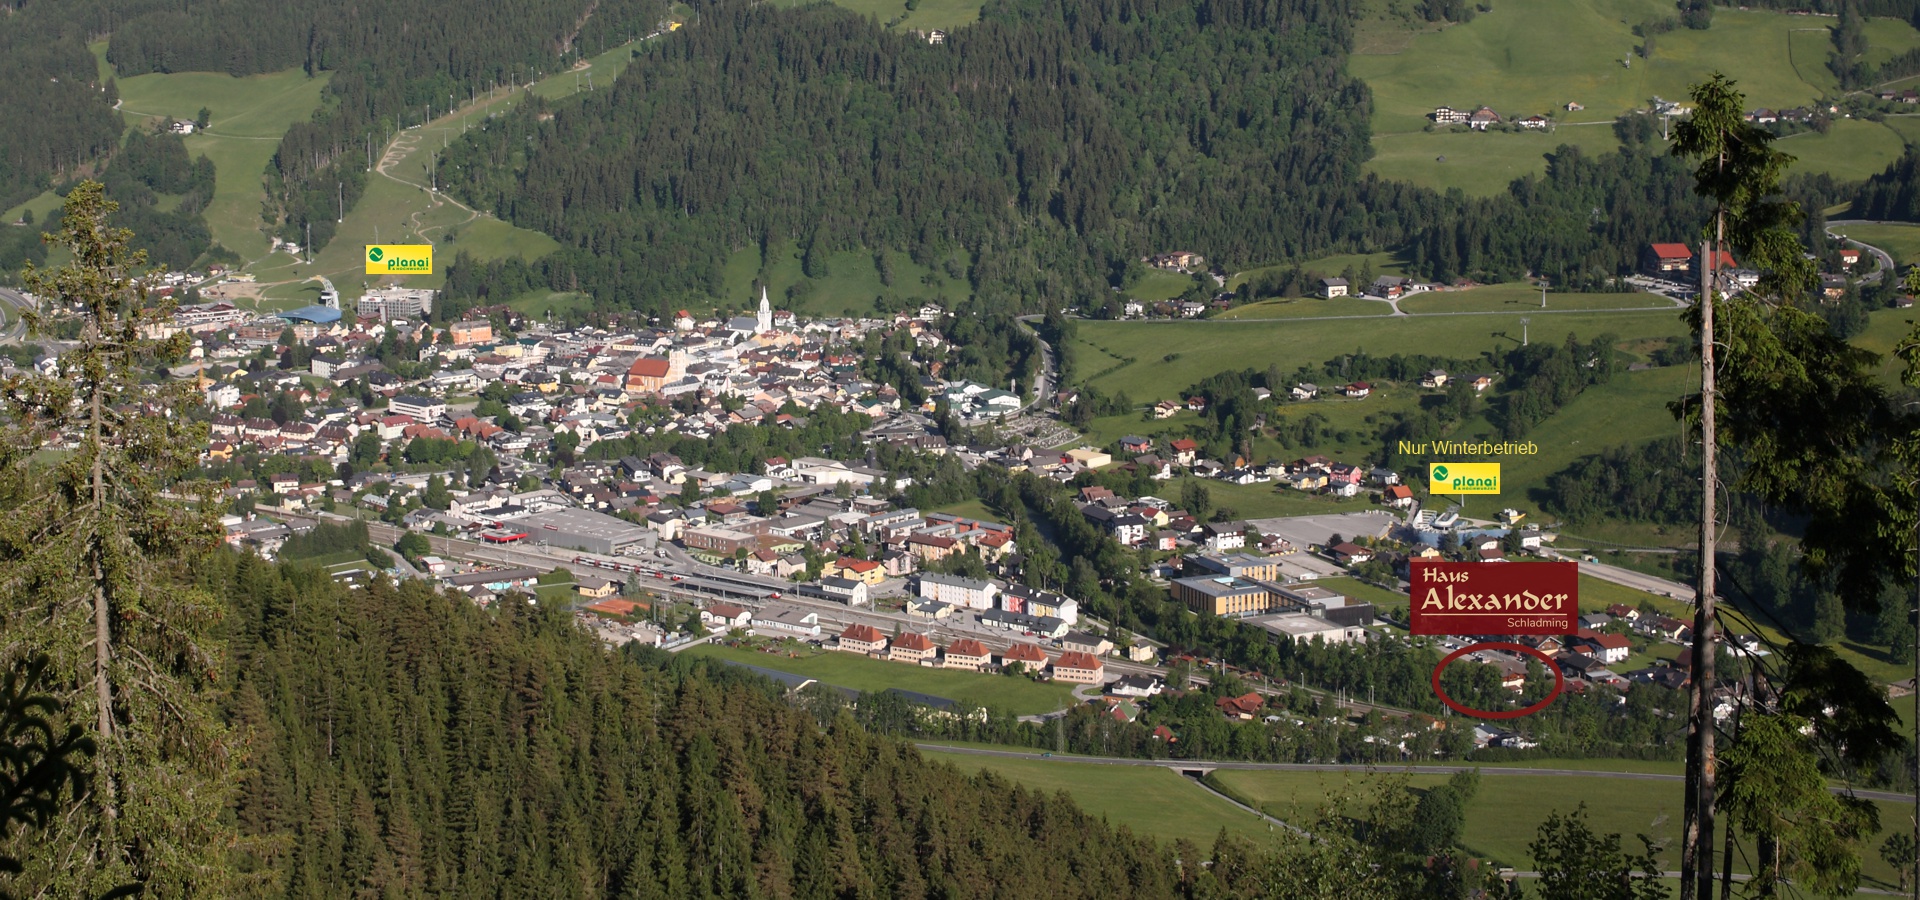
x=40, y=205
x=1853, y=150
x=1521, y=297
x=1308, y=308
x=1506, y=813
x=1017, y=695
x=926, y=15
x=1480, y=163
x=1384, y=263
x=1169, y=357
x=1534, y=58
x=849, y=287
x=249, y=115
x=1155, y=802
x=1902, y=242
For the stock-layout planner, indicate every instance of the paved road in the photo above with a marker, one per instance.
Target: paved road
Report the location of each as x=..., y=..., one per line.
x=1490, y=772
x=12, y=329
x=1639, y=581
x=1883, y=261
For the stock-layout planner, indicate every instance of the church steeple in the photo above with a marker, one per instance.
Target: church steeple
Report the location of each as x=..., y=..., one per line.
x=766, y=311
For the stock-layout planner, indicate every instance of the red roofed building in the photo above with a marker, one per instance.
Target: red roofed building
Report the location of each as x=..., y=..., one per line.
x=647, y=375
x=1666, y=259
x=1033, y=657
x=1241, y=707
x=1397, y=495
x=931, y=547
x=862, y=639
x=1078, y=667
x=967, y=653
x=862, y=570
x=911, y=647
x=1607, y=648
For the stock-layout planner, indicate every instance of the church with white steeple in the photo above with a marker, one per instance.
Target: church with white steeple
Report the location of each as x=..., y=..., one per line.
x=766, y=312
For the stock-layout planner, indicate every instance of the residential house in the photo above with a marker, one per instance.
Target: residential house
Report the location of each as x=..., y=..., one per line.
x=862, y=639
x=725, y=615
x=1333, y=287
x=957, y=591
x=1086, y=643
x=1662, y=260
x=845, y=590
x=1305, y=391
x=1135, y=686
x=966, y=653
x=1348, y=553
x=1033, y=658
x=912, y=647
x=1357, y=390
x=1078, y=668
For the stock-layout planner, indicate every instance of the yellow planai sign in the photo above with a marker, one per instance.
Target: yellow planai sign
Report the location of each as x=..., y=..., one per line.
x=1463, y=478
x=399, y=259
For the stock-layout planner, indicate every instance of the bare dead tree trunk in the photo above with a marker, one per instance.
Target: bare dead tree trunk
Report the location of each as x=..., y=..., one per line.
x=1696, y=853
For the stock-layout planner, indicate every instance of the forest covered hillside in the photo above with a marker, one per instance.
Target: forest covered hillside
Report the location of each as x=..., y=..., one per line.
x=1055, y=143
x=406, y=743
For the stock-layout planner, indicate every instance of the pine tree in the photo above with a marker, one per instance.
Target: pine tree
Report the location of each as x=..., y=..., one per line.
x=98, y=565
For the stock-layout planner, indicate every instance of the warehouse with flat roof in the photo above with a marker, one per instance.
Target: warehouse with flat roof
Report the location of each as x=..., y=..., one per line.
x=582, y=529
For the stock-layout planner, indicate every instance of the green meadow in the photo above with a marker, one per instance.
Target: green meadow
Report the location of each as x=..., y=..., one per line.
x=1308, y=308
x=1152, y=801
x=849, y=287
x=1016, y=695
x=249, y=115
x=1902, y=242
x=1480, y=163
x=926, y=15
x=1506, y=813
x=1169, y=357
x=1519, y=296
x=1535, y=58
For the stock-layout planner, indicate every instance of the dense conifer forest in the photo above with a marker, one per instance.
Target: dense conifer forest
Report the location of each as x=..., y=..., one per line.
x=1055, y=143
x=406, y=743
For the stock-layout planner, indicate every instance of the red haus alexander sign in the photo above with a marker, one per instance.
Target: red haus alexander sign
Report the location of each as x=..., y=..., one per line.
x=1494, y=598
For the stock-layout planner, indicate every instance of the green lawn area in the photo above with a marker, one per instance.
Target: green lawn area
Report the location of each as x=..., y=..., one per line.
x=1157, y=802
x=927, y=15
x=1017, y=695
x=1380, y=597
x=1520, y=297
x=1308, y=307
x=1479, y=163
x=1853, y=149
x=1534, y=58
x=849, y=287
x=1159, y=284
x=1263, y=501
x=40, y=206
x=248, y=117
x=1384, y=263
x=1199, y=349
x=1523, y=59
x=1902, y=242
x=1506, y=814
x=972, y=509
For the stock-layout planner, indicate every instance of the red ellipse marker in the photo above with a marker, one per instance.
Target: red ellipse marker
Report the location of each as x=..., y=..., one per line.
x=1559, y=682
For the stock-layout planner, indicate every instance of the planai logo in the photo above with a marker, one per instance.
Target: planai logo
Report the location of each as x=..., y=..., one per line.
x=1464, y=478
x=399, y=259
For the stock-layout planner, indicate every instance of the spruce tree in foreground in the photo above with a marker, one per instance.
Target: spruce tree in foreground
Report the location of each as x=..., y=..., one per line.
x=96, y=566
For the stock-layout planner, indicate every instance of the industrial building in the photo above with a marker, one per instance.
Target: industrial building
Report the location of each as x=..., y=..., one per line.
x=580, y=529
